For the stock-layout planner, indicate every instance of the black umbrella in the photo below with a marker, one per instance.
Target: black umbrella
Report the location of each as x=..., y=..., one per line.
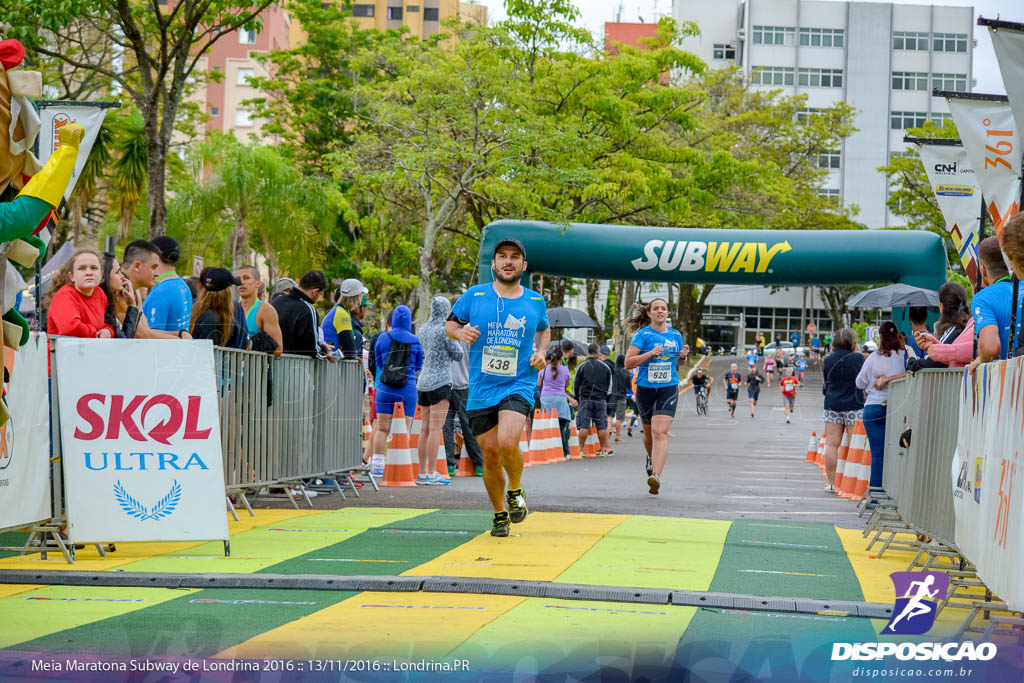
x=559, y=316
x=898, y=294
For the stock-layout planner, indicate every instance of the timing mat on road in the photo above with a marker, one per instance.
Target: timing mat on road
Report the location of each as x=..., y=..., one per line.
x=768, y=558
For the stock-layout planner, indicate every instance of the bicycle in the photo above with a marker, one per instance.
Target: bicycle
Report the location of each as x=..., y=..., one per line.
x=702, y=401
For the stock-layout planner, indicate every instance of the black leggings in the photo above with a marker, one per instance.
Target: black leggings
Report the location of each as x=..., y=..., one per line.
x=563, y=426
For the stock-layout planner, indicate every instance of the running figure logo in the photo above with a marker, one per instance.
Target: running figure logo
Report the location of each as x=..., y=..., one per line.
x=917, y=596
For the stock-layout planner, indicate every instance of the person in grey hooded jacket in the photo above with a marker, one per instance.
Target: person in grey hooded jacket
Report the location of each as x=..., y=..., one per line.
x=434, y=386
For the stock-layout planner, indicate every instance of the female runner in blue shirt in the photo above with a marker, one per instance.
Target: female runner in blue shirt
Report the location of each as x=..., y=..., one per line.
x=654, y=349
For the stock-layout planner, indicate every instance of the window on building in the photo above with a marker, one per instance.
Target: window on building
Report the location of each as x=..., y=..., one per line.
x=772, y=75
x=821, y=37
x=908, y=154
x=394, y=13
x=723, y=51
x=806, y=113
x=828, y=160
x=909, y=80
x=214, y=111
x=905, y=120
x=412, y=9
x=909, y=40
x=956, y=82
x=430, y=14
x=940, y=117
x=362, y=10
x=243, y=117
x=821, y=78
x=829, y=192
x=247, y=37
x=774, y=35
x=244, y=74
x=949, y=42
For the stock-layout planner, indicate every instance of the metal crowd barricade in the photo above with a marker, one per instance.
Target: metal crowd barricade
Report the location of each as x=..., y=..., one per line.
x=288, y=419
x=917, y=479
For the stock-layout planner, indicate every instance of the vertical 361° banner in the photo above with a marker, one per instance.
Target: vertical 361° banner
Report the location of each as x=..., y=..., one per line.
x=991, y=138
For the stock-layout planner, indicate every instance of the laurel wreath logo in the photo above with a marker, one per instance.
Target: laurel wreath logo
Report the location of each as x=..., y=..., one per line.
x=133, y=508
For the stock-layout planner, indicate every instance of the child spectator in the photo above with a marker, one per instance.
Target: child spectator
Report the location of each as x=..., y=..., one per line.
x=77, y=308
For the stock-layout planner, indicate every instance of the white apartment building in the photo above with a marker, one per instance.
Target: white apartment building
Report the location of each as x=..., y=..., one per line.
x=883, y=59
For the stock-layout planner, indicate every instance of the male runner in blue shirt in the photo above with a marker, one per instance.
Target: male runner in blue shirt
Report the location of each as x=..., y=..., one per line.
x=506, y=326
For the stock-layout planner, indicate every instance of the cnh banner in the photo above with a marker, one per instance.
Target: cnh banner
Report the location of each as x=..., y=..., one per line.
x=25, y=439
x=140, y=440
x=988, y=477
x=992, y=140
x=956, y=190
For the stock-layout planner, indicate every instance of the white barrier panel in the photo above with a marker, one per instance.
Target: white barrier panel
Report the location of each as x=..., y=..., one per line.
x=988, y=477
x=25, y=439
x=141, y=440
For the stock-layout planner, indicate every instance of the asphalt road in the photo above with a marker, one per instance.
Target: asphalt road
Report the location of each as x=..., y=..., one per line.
x=718, y=468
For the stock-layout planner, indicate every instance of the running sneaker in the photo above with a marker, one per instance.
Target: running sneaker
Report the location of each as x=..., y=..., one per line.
x=423, y=480
x=601, y=454
x=609, y=452
x=451, y=471
x=500, y=526
x=830, y=488
x=479, y=471
x=438, y=480
x=654, y=481
x=650, y=466
x=517, y=509
x=787, y=419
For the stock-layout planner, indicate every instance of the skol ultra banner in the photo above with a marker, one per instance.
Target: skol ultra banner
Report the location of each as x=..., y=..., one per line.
x=141, y=440
x=993, y=143
x=956, y=190
x=56, y=116
x=988, y=477
x=25, y=439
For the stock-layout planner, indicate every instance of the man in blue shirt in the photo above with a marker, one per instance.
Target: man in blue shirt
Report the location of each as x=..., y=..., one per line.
x=991, y=306
x=168, y=306
x=506, y=326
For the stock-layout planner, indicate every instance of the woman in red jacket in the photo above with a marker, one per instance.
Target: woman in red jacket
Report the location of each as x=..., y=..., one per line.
x=77, y=308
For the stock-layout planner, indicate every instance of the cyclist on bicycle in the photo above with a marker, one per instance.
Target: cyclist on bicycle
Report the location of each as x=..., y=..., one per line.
x=701, y=383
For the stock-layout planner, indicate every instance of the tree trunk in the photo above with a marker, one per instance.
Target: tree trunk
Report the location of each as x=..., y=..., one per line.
x=240, y=241
x=426, y=268
x=593, y=286
x=624, y=308
x=554, y=290
x=156, y=163
x=690, y=310
x=271, y=255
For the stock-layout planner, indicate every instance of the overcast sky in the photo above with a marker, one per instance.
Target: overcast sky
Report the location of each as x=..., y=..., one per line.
x=986, y=70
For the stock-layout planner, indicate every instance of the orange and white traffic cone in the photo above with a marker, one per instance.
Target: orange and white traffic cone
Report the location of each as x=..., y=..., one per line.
x=857, y=456
x=442, y=462
x=819, y=456
x=591, y=443
x=538, y=439
x=398, y=468
x=841, y=461
x=466, y=467
x=574, y=443
x=417, y=429
x=524, y=448
x=367, y=430
x=812, y=448
x=554, y=450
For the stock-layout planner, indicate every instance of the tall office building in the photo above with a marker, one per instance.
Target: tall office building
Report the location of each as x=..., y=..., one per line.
x=884, y=59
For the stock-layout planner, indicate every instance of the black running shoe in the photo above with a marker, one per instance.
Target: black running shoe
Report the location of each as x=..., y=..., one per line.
x=500, y=527
x=650, y=467
x=517, y=509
